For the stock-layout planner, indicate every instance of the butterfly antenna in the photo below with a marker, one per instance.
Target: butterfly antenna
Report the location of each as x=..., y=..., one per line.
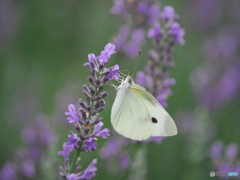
x=120, y=71
x=137, y=63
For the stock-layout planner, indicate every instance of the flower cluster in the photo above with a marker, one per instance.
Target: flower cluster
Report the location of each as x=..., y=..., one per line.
x=216, y=82
x=137, y=15
x=207, y=14
x=224, y=158
x=86, y=120
x=165, y=34
x=27, y=161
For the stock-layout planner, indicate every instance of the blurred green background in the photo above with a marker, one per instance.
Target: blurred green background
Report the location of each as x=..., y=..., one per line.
x=42, y=51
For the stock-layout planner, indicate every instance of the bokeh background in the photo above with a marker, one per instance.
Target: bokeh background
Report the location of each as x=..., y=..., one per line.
x=43, y=45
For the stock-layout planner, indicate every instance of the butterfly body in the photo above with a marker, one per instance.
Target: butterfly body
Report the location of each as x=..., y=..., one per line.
x=137, y=115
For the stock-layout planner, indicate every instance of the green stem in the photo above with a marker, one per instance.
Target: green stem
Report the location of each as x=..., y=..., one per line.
x=76, y=157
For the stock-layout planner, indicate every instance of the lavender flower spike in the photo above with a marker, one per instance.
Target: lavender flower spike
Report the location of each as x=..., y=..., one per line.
x=137, y=16
x=166, y=33
x=85, y=118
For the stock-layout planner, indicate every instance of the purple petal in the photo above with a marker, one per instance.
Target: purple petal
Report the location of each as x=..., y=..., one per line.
x=103, y=133
x=110, y=48
x=115, y=67
x=72, y=177
x=74, y=117
x=90, y=145
x=103, y=57
x=73, y=140
x=90, y=172
x=154, y=32
x=113, y=75
x=91, y=57
x=168, y=14
x=97, y=127
x=67, y=149
x=169, y=82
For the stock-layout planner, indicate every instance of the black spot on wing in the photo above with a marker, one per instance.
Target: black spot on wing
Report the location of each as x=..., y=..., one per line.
x=154, y=120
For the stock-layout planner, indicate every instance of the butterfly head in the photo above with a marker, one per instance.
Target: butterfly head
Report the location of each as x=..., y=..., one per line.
x=129, y=80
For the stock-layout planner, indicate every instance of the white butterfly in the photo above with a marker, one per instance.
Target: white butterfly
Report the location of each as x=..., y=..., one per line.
x=137, y=115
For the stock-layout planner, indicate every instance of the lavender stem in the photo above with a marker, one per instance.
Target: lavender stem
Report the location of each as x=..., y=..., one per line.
x=73, y=165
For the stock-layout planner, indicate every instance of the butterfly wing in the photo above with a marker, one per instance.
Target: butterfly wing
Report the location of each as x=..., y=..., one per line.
x=137, y=115
x=129, y=115
x=161, y=122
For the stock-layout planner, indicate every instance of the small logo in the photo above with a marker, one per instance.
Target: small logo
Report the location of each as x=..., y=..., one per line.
x=232, y=173
x=212, y=173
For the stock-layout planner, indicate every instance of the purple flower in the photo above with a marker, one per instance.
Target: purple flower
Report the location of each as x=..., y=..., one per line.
x=114, y=68
x=143, y=7
x=163, y=95
x=132, y=34
x=91, y=57
x=156, y=78
x=118, y=7
x=202, y=20
x=103, y=133
x=169, y=82
x=224, y=161
x=231, y=151
x=74, y=117
x=216, y=149
x=90, y=145
x=137, y=39
x=104, y=56
x=48, y=137
x=155, y=32
x=153, y=14
x=25, y=160
x=87, y=116
x=177, y=33
x=224, y=46
x=168, y=14
x=141, y=78
x=73, y=140
x=67, y=149
x=215, y=95
x=109, y=49
x=113, y=75
x=111, y=148
x=29, y=135
x=72, y=177
x=121, y=39
x=28, y=168
x=8, y=172
x=98, y=127
x=90, y=172
x=124, y=161
x=225, y=168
